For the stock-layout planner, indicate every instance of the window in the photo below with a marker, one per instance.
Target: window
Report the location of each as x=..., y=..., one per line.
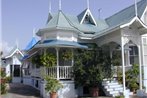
x=88, y=20
x=134, y=55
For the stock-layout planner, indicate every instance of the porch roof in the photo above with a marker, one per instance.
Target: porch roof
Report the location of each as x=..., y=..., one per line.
x=60, y=43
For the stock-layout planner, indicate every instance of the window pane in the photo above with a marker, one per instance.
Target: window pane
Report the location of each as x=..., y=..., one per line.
x=135, y=50
x=131, y=51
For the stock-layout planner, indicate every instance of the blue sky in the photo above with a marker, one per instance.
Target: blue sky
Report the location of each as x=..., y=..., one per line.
x=19, y=17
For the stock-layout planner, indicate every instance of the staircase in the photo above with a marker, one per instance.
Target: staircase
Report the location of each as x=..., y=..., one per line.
x=113, y=88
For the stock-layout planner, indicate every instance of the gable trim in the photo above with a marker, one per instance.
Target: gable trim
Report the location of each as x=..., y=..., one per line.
x=88, y=12
x=132, y=21
x=14, y=53
x=143, y=13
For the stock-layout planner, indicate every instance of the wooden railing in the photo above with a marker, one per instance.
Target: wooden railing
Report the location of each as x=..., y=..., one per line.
x=59, y=72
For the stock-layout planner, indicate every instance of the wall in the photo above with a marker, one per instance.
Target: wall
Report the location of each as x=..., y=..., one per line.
x=111, y=37
x=60, y=35
x=68, y=90
x=27, y=81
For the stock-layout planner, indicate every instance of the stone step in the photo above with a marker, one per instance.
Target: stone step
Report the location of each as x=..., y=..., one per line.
x=112, y=83
x=113, y=86
x=120, y=88
x=114, y=92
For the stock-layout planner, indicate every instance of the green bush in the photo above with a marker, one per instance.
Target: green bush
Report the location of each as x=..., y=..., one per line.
x=3, y=88
x=8, y=79
x=120, y=96
x=2, y=81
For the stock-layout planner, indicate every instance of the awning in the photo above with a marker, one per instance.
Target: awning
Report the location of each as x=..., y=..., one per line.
x=60, y=43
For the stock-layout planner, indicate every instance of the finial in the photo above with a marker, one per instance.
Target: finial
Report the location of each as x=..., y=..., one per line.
x=60, y=3
x=99, y=12
x=87, y=4
x=16, y=42
x=136, y=12
x=50, y=6
x=34, y=32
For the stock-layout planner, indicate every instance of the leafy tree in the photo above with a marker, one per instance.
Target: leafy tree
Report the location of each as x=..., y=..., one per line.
x=91, y=67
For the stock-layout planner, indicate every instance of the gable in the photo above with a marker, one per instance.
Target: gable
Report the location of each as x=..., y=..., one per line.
x=86, y=18
x=126, y=14
x=14, y=51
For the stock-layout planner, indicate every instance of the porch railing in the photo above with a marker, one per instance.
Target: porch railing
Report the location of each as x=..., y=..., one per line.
x=59, y=72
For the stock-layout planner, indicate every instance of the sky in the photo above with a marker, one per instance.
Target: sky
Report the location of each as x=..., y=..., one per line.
x=20, y=17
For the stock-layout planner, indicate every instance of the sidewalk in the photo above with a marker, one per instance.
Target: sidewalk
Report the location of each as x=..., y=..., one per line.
x=18, y=90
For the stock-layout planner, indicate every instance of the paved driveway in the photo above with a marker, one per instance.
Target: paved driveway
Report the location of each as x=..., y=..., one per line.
x=18, y=90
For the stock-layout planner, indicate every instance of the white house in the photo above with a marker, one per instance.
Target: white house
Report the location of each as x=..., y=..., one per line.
x=126, y=29
x=12, y=64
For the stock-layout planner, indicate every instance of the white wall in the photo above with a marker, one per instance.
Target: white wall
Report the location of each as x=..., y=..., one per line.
x=60, y=35
x=112, y=37
x=7, y=70
x=68, y=90
x=27, y=81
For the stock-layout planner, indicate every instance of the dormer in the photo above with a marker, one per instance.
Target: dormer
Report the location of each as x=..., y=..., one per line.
x=86, y=18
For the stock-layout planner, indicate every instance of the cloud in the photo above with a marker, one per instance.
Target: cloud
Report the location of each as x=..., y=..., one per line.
x=5, y=47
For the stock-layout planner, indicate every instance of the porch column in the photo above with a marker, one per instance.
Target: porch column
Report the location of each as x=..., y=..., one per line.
x=140, y=68
x=57, y=54
x=144, y=66
x=12, y=66
x=123, y=65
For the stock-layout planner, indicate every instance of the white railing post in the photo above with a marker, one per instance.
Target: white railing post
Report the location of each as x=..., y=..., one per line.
x=57, y=53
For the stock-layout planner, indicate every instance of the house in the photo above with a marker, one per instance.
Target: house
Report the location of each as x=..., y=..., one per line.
x=12, y=64
x=126, y=30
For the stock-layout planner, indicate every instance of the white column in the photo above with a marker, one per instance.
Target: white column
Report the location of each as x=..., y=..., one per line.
x=13, y=66
x=123, y=65
x=57, y=54
x=144, y=67
x=140, y=68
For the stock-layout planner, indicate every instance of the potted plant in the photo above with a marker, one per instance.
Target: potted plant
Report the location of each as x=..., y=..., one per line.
x=52, y=86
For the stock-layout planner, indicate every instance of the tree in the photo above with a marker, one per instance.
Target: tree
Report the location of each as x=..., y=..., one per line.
x=91, y=67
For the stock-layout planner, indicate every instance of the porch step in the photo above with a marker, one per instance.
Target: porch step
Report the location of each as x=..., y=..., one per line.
x=113, y=88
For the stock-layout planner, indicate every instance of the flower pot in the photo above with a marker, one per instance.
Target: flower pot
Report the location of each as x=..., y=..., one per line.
x=53, y=95
x=2, y=80
x=94, y=92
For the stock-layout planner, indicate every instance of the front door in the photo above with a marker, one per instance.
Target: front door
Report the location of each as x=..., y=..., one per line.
x=16, y=74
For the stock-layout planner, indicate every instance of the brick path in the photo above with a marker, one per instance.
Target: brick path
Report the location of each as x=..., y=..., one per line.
x=18, y=90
